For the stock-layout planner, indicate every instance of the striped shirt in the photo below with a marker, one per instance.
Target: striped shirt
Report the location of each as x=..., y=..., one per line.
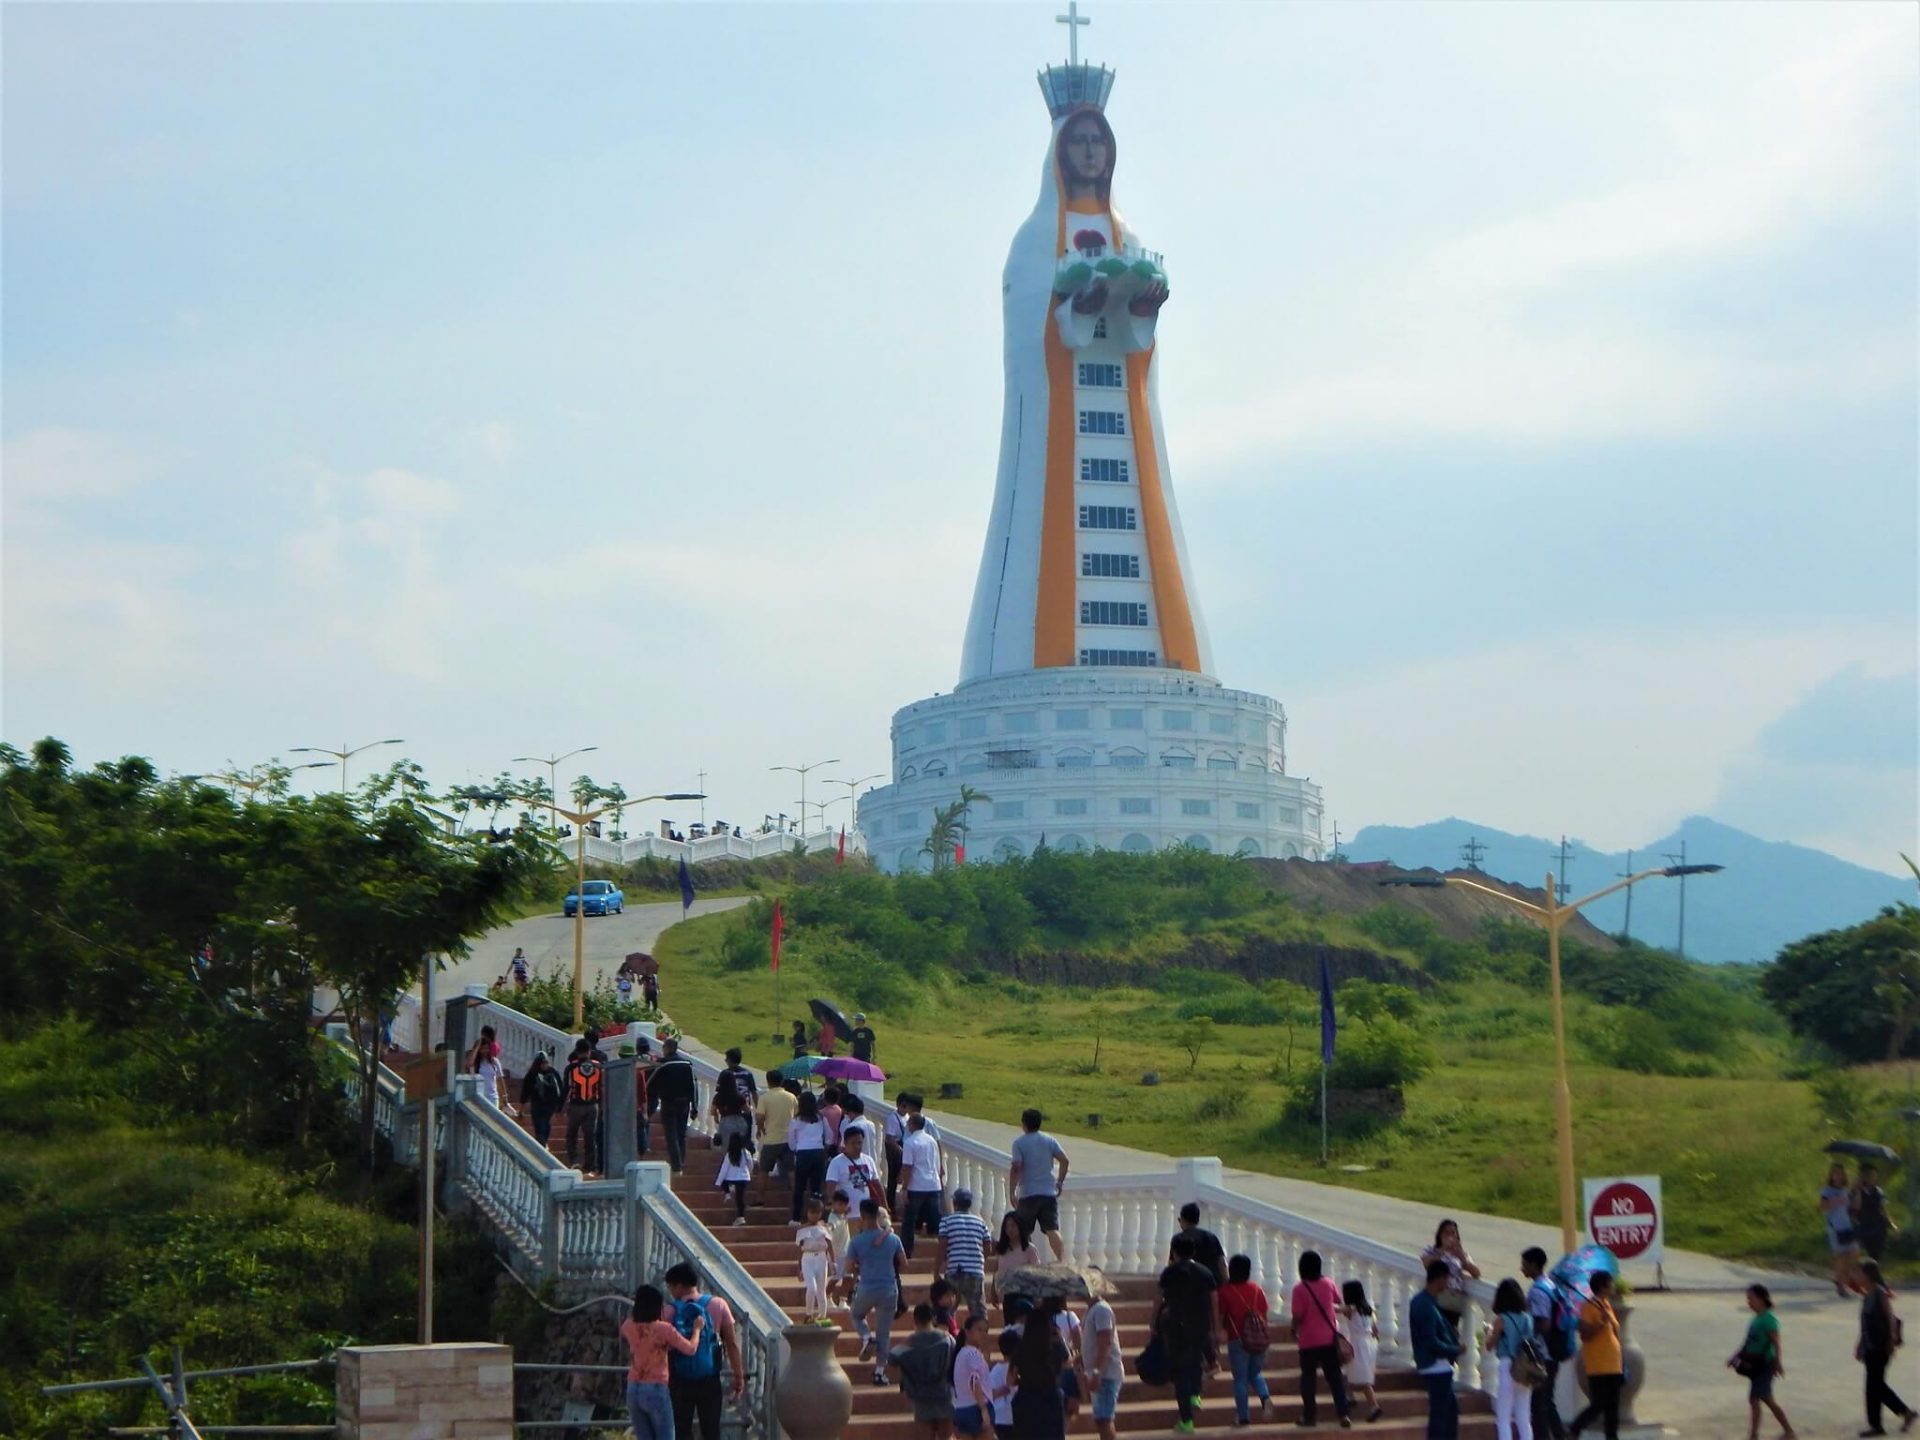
x=966, y=1236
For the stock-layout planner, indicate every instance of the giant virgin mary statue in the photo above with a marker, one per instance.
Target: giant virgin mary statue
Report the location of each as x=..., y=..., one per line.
x=1084, y=562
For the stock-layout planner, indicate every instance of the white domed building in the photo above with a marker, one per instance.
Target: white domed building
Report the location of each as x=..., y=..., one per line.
x=1088, y=709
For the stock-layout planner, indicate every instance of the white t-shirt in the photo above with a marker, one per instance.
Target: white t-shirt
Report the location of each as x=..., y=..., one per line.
x=1002, y=1396
x=1101, y=1320
x=813, y=1240
x=731, y=1171
x=970, y=1365
x=922, y=1152
x=841, y=1173
x=806, y=1134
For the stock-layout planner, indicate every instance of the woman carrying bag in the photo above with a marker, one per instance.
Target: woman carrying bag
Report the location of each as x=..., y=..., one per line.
x=1758, y=1361
x=1879, y=1337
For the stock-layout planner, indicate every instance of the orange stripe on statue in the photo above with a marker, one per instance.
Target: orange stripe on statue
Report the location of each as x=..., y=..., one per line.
x=1181, y=645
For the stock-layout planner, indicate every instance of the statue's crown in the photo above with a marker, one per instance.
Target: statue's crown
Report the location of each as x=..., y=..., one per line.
x=1066, y=86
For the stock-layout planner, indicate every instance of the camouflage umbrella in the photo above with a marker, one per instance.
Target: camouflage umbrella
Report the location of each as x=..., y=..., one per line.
x=1069, y=1282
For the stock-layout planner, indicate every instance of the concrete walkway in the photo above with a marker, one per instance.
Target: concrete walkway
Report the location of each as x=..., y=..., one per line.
x=548, y=940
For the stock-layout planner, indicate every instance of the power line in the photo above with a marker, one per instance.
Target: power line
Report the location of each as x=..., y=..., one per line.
x=1626, y=928
x=1564, y=853
x=1473, y=852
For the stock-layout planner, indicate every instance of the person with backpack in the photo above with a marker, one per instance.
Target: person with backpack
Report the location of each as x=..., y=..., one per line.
x=1243, y=1320
x=543, y=1093
x=1317, y=1333
x=693, y=1381
x=672, y=1092
x=1555, y=1325
x=586, y=1082
x=1363, y=1339
x=925, y=1363
x=1869, y=1209
x=1512, y=1340
x=1758, y=1362
x=650, y=1342
x=1602, y=1358
x=1880, y=1336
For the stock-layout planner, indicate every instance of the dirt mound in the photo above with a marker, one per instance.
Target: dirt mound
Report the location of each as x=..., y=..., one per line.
x=1347, y=889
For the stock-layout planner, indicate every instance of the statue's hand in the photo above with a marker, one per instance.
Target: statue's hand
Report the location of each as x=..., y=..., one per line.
x=1092, y=300
x=1149, y=300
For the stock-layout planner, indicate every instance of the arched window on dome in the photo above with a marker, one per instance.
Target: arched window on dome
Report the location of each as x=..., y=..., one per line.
x=1200, y=842
x=1248, y=849
x=1222, y=760
x=934, y=768
x=1177, y=759
x=972, y=764
x=913, y=859
x=911, y=774
x=1137, y=844
x=1290, y=850
x=1126, y=757
x=1073, y=758
x=1069, y=844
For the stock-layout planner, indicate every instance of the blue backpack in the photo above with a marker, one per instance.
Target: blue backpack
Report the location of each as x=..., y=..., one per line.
x=705, y=1360
x=1562, y=1332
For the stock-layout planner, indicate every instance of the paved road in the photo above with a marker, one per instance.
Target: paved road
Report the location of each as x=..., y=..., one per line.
x=548, y=940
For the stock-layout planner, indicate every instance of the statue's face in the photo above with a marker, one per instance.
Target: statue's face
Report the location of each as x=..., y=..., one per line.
x=1084, y=151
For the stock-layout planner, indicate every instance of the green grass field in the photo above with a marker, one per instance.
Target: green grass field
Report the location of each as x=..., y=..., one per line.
x=1738, y=1151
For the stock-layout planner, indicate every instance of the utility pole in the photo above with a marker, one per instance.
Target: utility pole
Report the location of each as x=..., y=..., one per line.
x=1681, y=859
x=1336, y=842
x=1626, y=927
x=1473, y=852
x=1563, y=854
x=703, y=804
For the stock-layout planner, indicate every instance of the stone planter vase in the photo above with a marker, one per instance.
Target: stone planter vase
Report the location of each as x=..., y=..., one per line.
x=813, y=1398
x=1634, y=1361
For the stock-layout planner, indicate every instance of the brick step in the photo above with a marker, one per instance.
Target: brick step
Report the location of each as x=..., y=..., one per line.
x=1398, y=1389
x=1155, y=1422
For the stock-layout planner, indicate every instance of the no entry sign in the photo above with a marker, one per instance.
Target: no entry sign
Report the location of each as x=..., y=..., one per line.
x=1624, y=1215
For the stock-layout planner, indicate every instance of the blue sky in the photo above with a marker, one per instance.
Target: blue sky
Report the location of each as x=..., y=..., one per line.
x=1539, y=384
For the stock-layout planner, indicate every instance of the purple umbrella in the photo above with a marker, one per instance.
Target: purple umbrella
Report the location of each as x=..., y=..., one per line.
x=840, y=1068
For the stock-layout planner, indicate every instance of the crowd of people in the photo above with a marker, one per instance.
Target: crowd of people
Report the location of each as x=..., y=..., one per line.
x=845, y=1179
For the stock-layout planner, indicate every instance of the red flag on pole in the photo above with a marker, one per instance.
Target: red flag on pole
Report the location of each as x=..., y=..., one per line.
x=779, y=924
x=840, y=855
x=959, y=854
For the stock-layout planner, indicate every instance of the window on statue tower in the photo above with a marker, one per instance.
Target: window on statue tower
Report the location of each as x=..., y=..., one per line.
x=1095, y=375
x=1103, y=422
x=1106, y=470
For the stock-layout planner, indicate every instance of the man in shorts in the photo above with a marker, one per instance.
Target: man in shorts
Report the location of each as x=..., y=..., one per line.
x=1035, y=1179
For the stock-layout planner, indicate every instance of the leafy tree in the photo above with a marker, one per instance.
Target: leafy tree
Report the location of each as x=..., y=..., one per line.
x=375, y=890
x=1193, y=1036
x=1856, y=990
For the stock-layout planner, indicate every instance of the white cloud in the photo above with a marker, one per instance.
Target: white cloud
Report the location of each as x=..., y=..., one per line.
x=1614, y=737
x=54, y=466
x=1505, y=332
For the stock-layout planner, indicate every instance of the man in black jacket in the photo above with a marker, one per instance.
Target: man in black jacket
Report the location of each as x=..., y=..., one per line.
x=671, y=1091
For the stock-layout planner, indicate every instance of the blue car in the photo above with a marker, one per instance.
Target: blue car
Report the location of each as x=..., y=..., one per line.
x=600, y=897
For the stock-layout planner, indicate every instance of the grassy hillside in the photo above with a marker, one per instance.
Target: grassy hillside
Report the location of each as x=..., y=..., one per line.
x=1677, y=1070
x=126, y=1228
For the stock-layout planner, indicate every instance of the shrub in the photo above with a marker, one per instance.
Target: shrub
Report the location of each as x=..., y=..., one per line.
x=1222, y=1102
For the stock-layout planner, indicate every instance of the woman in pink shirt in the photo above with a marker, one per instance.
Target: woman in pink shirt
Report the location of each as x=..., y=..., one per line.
x=1316, y=1331
x=831, y=1115
x=649, y=1338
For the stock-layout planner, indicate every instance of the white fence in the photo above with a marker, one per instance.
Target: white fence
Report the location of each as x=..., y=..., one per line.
x=714, y=847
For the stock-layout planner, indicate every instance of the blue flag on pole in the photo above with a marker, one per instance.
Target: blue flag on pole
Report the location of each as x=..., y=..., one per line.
x=686, y=886
x=1328, y=1025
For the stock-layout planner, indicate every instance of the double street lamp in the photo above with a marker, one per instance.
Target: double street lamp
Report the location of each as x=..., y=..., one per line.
x=1554, y=915
x=552, y=762
x=253, y=782
x=801, y=771
x=343, y=754
x=580, y=819
x=853, y=790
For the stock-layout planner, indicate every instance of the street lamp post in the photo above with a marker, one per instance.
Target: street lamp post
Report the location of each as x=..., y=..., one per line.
x=580, y=819
x=853, y=789
x=253, y=782
x=343, y=754
x=801, y=771
x=1555, y=915
x=552, y=762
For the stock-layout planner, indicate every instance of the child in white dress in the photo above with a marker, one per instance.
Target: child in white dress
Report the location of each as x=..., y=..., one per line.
x=816, y=1259
x=1357, y=1324
x=736, y=1168
x=839, y=1225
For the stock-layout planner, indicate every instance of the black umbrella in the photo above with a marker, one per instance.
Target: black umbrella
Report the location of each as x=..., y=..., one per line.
x=827, y=1015
x=1864, y=1150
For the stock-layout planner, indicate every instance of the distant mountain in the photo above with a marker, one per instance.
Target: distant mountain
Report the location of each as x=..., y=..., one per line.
x=1771, y=893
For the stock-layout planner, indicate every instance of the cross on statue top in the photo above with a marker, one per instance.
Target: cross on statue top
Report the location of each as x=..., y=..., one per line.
x=1073, y=20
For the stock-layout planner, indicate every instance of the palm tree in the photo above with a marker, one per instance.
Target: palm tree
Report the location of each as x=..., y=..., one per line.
x=950, y=827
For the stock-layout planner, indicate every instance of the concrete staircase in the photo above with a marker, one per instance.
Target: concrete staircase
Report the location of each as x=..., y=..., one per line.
x=765, y=1246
